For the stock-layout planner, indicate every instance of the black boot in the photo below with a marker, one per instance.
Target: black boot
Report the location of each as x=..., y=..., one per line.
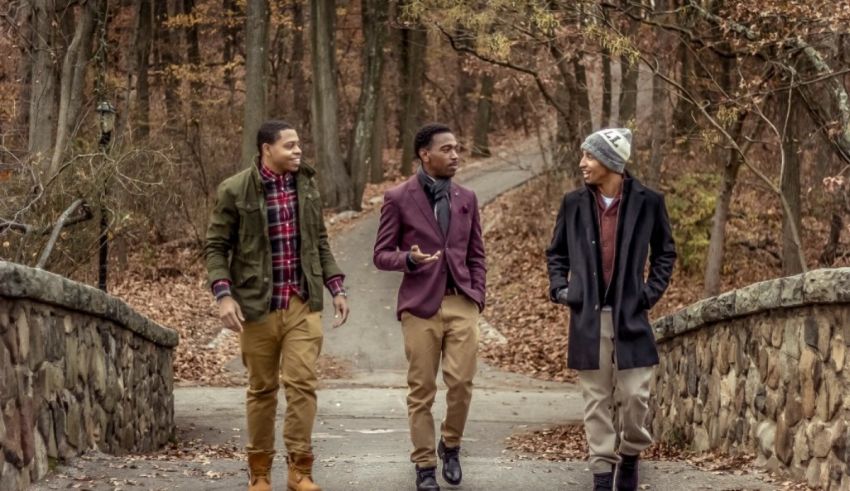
x=426, y=479
x=627, y=473
x=452, y=472
x=603, y=481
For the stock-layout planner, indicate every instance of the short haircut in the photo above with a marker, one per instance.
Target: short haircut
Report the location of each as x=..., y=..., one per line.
x=269, y=132
x=425, y=134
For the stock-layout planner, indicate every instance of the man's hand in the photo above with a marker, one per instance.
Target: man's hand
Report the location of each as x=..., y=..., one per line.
x=420, y=257
x=230, y=314
x=340, y=310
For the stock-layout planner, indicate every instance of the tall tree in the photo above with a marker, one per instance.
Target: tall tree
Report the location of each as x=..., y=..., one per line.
x=413, y=46
x=480, y=141
x=376, y=175
x=43, y=101
x=142, y=44
x=72, y=79
x=334, y=180
x=300, y=102
x=374, y=14
x=256, y=28
x=628, y=75
x=792, y=133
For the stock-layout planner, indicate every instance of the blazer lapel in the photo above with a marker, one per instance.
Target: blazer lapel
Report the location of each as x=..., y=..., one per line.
x=457, y=210
x=418, y=196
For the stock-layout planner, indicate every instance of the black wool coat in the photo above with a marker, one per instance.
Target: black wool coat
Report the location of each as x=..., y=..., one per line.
x=574, y=262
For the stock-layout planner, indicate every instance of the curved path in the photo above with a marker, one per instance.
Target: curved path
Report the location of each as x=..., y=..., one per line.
x=361, y=435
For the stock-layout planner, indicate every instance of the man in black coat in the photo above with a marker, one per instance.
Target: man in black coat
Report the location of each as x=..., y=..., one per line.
x=603, y=235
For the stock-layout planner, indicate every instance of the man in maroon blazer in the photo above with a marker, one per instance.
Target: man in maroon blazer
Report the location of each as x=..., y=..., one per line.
x=430, y=230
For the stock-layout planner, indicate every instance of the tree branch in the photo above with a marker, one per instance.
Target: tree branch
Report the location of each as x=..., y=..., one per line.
x=55, y=235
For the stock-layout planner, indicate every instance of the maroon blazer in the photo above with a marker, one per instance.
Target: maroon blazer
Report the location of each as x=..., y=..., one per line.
x=407, y=219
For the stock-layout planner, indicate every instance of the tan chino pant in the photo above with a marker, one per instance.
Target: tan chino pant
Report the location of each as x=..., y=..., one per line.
x=450, y=336
x=632, y=395
x=283, y=345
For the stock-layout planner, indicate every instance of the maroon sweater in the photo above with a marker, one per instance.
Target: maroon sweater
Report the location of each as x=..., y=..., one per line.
x=608, y=218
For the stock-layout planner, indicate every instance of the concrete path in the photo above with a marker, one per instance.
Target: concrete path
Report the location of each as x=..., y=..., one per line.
x=361, y=435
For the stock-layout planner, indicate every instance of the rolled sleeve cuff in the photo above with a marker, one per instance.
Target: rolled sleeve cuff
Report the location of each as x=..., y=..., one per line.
x=335, y=285
x=221, y=289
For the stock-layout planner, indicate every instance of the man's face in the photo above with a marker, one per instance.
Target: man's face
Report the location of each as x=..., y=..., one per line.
x=592, y=170
x=441, y=158
x=284, y=155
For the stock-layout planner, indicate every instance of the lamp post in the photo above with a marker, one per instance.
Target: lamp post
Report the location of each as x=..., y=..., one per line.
x=106, y=115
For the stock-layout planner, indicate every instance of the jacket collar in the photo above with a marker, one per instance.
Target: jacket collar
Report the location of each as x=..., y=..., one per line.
x=306, y=171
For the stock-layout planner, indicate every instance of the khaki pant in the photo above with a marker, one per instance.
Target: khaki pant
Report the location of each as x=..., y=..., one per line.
x=283, y=345
x=451, y=335
x=632, y=396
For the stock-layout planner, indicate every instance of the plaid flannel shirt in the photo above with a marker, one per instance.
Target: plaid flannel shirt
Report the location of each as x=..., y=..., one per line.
x=282, y=205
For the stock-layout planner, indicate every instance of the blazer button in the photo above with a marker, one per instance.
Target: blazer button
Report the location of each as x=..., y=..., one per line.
x=596, y=306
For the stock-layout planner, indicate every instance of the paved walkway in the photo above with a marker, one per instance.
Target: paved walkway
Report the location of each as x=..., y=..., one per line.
x=361, y=435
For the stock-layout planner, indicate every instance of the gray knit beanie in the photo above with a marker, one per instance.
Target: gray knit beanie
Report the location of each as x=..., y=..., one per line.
x=611, y=146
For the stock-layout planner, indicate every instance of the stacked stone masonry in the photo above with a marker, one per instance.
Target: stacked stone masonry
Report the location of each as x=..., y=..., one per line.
x=79, y=370
x=762, y=370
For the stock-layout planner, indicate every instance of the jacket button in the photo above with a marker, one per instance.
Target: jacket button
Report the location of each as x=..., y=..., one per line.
x=596, y=306
x=265, y=278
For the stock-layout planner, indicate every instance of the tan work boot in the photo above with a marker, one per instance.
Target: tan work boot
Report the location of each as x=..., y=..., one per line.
x=301, y=473
x=259, y=467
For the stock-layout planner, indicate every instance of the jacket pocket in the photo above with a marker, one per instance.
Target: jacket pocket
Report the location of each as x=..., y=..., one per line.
x=574, y=294
x=250, y=218
x=244, y=271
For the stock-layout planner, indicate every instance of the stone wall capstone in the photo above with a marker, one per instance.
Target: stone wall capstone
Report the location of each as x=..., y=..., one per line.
x=762, y=370
x=79, y=370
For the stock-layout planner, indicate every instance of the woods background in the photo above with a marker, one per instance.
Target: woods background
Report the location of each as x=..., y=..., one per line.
x=740, y=113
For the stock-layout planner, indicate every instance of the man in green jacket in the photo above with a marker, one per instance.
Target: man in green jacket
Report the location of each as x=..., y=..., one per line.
x=268, y=256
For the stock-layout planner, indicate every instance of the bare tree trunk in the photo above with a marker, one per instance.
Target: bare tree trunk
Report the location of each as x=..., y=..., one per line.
x=229, y=46
x=732, y=164
x=659, y=110
x=256, y=27
x=334, y=180
x=374, y=18
x=605, y=118
x=466, y=82
x=628, y=78
x=300, y=89
x=193, y=55
x=24, y=21
x=71, y=81
x=142, y=44
x=412, y=71
x=480, y=142
x=790, y=186
x=683, y=119
x=43, y=103
x=717, y=242
x=166, y=45
x=376, y=175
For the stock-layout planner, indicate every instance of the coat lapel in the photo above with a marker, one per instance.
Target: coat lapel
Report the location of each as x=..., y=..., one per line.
x=418, y=196
x=588, y=217
x=635, y=198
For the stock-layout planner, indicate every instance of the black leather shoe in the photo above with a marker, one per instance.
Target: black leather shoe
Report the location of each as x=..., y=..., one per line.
x=627, y=473
x=426, y=479
x=452, y=472
x=603, y=481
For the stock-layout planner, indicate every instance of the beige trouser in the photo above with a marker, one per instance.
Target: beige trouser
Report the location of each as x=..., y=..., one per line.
x=284, y=344
x=632, y=396
x=451, y=334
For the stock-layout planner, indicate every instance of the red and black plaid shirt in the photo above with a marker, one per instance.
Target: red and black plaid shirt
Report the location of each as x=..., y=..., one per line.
x=282, y=206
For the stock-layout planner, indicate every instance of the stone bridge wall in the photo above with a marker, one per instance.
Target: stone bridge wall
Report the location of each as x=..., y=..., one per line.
x=762, y=370
x=78, y=370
